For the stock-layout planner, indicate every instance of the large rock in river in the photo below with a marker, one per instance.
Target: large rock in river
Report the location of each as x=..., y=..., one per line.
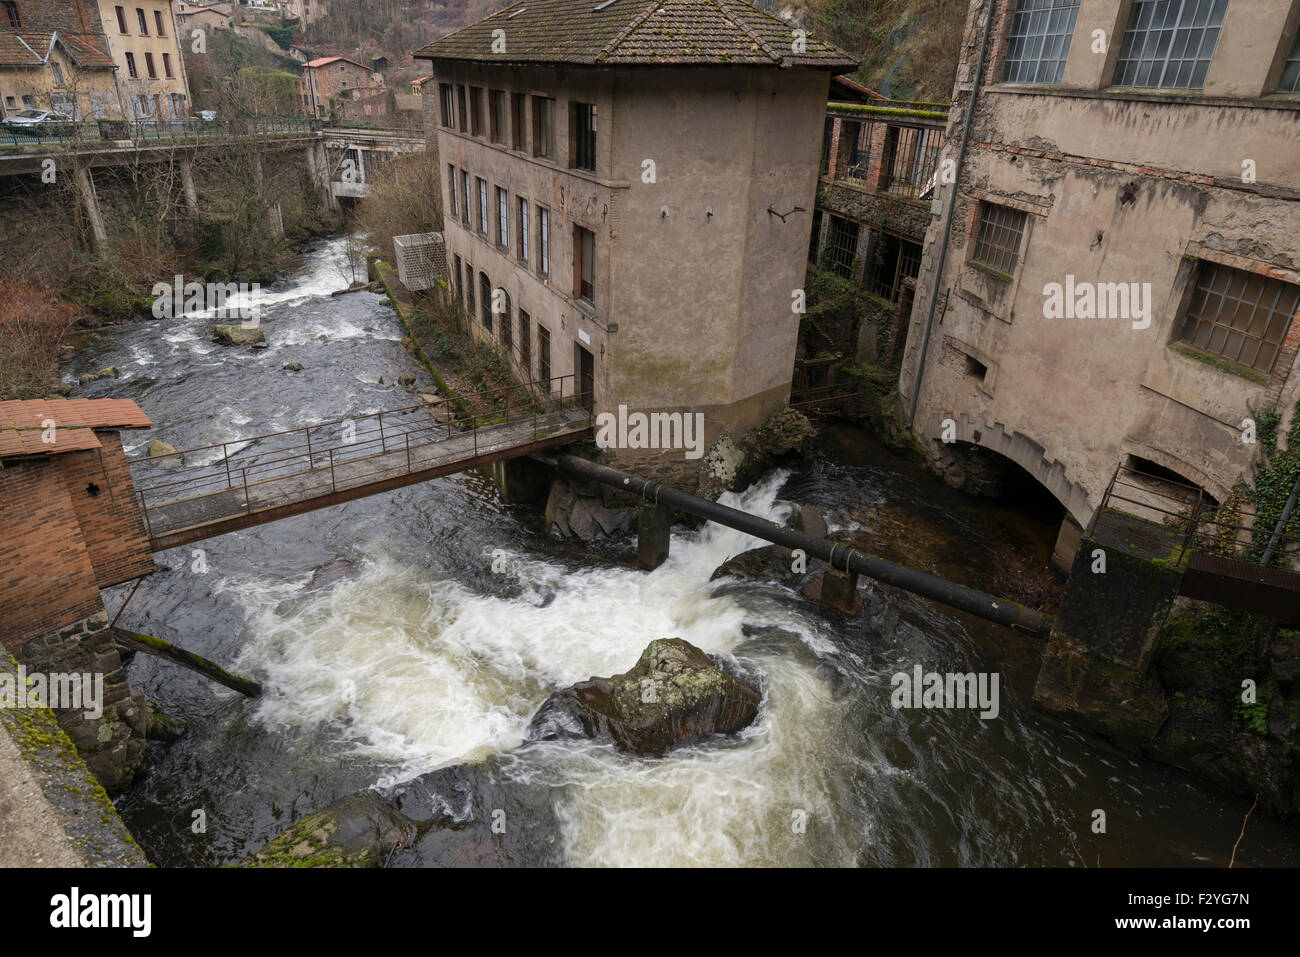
x=236, y=334
x=674, y=695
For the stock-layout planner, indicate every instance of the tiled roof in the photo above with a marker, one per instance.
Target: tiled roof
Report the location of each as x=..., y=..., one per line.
x=32, y=49
x=73, y=414
x=20, y=442
x=683, y=32
x=327, y=60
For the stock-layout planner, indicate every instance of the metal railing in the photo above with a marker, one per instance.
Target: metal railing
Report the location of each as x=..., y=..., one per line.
x=1193, y=521
x=248, y=464
x=98, y=132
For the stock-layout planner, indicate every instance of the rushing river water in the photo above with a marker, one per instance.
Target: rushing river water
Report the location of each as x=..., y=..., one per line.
x=389, y=649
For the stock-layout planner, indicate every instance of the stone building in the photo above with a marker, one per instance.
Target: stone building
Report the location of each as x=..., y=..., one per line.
x=1121, y=264
x=54, y=55
x=143, y=39
x=628, y=190
x=69, y=526
x=878, y=179
x=330, y=80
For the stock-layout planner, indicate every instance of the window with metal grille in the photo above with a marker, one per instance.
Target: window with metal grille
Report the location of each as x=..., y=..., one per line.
x=815, y=240
x=584, y=136
x=503, y=223
x=497, y=115
x=584, y=255
x=1239, y=315
x=842, y=247
x=451, y=189
x=482, y=206
x=892, y=259
x=544, y=356
x=1039, y=42
x=130, y=66
x=1169, y=43
x=518, y=121
x=13, y=17
x=523, y=230
x=448, y=104
x=544, y=127
x=485, y=300
x=526, y=343
x=997, y=243
x=1291, y=72
x=543, y=241
x=909, y=162
x=461, y=115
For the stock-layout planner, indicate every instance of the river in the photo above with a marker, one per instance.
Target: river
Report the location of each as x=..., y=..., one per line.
x=389, y=649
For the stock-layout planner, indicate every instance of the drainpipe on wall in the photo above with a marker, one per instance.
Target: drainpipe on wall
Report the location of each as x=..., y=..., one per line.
x=947, y=216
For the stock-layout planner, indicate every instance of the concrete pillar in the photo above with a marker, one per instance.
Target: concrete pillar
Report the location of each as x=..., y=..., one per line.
x=654, y=527
x=318, y=166
x=86, y=186
x=839, y=590
x=187, y=183
x=1067, y=543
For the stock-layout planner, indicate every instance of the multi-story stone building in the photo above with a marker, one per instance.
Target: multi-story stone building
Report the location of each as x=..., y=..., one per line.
x=54, y=55
x=1114, y=273
x=143, y=40
x=328, y=81
x=628, y=195
x=879, y=169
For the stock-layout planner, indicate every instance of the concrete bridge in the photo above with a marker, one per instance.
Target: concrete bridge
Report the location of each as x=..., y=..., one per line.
x=337, y=158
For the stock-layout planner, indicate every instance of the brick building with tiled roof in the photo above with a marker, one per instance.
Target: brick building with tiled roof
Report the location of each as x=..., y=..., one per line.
x=628, y=188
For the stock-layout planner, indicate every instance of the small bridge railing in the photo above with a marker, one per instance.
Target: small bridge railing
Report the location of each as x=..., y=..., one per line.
x=94, y=132
x=242, y=465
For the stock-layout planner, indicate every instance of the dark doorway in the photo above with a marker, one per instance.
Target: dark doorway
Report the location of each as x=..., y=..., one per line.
x=584, y=367
x=485, y=300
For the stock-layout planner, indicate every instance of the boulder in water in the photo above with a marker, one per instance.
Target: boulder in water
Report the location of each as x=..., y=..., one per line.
x=359, y=831
x=773, y=563
x=158, y=448
x=235, y=334
x=292, y=367
x=674, y=695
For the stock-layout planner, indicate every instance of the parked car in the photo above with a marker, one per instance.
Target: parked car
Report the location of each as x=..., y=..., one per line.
x=207, y=116
x=38, y=122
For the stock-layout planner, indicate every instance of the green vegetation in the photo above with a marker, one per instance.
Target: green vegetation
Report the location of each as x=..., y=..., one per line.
x=1275, y=475
x=1246, y=372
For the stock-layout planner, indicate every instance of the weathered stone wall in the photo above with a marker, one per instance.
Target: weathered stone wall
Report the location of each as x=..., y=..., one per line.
x=1117, y=186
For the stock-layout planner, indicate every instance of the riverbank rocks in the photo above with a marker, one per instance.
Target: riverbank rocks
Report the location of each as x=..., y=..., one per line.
x=674, y=695
x=235, y=334
x=109, y=372
x=359, y=831
x=734, y=464
x=571, y=514
x=292, y=367
x=772, y=563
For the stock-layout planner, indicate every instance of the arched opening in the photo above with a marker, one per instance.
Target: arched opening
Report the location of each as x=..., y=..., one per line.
x=485, y=300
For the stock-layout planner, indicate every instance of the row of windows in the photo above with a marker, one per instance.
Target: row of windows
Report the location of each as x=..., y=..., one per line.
x=462, y=108
x=141, y=21
x=1167, y=44
x=515, y=332
x=1234, y=314
x=134, y=73
x=491, y=218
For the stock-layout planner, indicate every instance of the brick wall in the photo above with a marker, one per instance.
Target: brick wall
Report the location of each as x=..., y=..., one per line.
x=48, y=579
x=111, y=523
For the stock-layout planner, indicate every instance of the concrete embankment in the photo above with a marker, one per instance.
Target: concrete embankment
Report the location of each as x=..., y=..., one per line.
x=53, y=813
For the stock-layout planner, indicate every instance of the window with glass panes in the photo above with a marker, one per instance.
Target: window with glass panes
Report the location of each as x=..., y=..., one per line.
x=522, y=229
x=1291, y=71
x=1169, y=43
x=1039, y=41
x=503, y=224
x=997, y=242
x=1240, y=316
